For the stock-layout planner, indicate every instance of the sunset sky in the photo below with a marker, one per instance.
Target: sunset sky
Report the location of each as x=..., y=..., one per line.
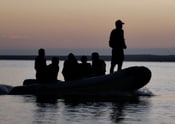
x=26, y=24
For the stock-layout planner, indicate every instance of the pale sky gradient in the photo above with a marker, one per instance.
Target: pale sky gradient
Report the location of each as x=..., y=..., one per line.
x=85, y=23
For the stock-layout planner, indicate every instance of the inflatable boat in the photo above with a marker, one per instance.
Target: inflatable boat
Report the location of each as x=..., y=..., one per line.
x=126, y=80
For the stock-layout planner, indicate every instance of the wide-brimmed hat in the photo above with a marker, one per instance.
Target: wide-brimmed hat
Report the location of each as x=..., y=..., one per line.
x=119, y=22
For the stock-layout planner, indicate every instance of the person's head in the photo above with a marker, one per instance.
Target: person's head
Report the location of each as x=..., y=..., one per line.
x=83, y=59
x=119, y=24
x=41, y=52
x=95, y=56
x=71, y=57
x=55, y=60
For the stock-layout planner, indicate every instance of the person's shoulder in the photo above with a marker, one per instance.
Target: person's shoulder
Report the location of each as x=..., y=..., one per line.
x=65, y=62
x=113, y=30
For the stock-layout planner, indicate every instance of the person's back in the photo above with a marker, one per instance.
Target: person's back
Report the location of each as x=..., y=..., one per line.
x=117, y=39
x=53, y=69
x=98, y=65
x=71, y=68
x=85, y=68
x=40, y=65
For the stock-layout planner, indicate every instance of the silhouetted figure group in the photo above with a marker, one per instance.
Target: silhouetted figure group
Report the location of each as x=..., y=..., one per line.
x=46, y=72
x=73, y=70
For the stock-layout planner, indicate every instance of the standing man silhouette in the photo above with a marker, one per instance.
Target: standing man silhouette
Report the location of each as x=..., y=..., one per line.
x=117, y=43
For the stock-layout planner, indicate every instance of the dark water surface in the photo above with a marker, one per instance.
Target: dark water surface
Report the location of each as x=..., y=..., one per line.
x=145, y=109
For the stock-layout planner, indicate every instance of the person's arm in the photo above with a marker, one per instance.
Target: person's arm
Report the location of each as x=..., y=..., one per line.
x=111, y=39
x=124, y=44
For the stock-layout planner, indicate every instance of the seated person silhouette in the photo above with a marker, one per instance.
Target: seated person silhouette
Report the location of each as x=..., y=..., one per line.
x=52, y=69
x=71, y=68
x=85, y=68
x=40, y=65
x=98, y=65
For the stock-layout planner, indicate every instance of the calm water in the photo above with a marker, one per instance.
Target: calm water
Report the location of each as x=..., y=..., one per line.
x=157, y=109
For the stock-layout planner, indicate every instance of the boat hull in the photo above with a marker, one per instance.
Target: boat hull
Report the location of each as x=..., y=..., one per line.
x=126, y=80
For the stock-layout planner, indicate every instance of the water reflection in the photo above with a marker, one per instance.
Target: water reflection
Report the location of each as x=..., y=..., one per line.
x=46, y=111
x=114, y=112
x=132, y=110
x=117, y=114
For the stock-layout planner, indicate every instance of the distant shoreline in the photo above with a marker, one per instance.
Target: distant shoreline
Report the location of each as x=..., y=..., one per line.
x=152, y=58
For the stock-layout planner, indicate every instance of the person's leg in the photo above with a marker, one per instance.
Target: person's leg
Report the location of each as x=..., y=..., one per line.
x=113, y=61
x=112, y=68
x=120, y=60
x=120, y=66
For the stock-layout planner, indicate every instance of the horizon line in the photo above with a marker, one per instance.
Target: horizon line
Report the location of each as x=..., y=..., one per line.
x=138, y=57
